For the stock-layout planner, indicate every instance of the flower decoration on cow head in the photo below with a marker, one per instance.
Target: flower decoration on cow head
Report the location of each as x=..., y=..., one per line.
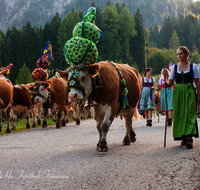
x=81, y=48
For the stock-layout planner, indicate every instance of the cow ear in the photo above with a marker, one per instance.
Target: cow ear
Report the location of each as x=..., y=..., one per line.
x=93, y=69
x=31, y=88
x=47, y=84
x=63, y=74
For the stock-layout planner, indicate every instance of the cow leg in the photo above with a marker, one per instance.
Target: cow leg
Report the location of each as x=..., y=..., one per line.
x=59, y=114
x=64, y=118
x=104, y=113
x=130, y=133
x=75, y=108
x=27, y=119
x=44, y=124
x=33, y=117
x=39, y=110
x=14, y=115
x=8, y=114
x=0, y=121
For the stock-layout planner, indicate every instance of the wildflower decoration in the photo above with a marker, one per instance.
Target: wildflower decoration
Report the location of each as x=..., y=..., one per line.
x=124, y=89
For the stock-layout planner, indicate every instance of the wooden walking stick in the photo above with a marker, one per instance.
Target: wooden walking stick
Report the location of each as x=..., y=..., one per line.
x=166, y=111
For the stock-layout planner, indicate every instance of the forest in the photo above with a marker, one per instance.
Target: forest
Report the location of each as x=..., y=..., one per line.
x=125, y=37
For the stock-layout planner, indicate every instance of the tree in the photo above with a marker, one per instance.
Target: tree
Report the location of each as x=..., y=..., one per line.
x=24, y=76
x=137, y=42
x=126, y=31
x=174, y=41
x=65, y=33
x=110, y=48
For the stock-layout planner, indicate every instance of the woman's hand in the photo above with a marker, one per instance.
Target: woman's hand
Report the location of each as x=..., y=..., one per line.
x=153, y=87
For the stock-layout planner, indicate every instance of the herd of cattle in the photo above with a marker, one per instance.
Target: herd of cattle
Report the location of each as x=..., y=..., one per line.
x=27, y=98
x=108, y=99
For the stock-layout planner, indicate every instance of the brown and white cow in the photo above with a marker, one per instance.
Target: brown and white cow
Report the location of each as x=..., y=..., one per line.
x=6, y=97
x=109, y=97
x=23, y=101
x=59, y=98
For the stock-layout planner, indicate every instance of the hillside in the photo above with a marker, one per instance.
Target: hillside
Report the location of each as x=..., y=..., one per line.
x=38, y=12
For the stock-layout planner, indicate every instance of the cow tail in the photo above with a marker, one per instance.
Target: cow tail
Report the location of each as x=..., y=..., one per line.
x=137, y=116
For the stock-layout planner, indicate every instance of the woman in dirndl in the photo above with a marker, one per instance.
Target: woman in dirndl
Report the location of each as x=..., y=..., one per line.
x=184, y=98
x=165, y=77
x=147, y=100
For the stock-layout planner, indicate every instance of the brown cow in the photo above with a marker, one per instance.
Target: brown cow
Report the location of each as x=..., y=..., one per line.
x=23, y=101
x=109, y=97
x=6, y=97
x=58, y=98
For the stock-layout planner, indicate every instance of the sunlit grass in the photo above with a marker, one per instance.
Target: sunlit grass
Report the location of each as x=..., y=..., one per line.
x=21, y=125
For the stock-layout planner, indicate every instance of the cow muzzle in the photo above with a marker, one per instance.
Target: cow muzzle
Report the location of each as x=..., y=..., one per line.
x=74, y=97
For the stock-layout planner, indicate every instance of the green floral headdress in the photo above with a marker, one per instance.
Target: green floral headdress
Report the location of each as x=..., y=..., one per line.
x=81, y=47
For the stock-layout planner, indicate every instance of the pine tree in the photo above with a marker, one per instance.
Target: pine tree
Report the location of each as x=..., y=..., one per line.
x=24, y=76
x=174, y=41
x=137, y=42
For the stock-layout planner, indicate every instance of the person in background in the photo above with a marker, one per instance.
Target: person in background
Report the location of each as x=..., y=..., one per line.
x=164, y=78
x=147, y=100
x=184, y=98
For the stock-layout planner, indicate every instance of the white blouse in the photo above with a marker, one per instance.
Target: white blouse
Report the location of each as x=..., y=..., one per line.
x=195, y=70
x=150, y=79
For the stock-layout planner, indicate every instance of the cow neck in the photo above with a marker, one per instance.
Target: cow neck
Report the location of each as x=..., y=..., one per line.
x=73, y=81
x=124, y=102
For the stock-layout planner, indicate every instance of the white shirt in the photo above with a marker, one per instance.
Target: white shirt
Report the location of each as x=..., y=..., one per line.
x=150, y=79
x=195, y=70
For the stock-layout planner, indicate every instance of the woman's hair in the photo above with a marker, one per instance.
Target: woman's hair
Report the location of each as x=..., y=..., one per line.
x=145, y=72
x=185, y=50
x=167, y=72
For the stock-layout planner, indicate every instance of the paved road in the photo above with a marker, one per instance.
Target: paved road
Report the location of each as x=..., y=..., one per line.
x=66, y=158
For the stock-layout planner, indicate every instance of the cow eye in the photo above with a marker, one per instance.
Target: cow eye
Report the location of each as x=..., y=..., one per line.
x=83, y=79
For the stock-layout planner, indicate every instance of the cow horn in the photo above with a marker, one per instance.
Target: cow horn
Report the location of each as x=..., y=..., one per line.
x=62, y=72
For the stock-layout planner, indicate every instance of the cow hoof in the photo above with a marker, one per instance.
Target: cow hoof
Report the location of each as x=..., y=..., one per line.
x=78, y=122
x=58, y=125
x=0, y=129
x=33, y=125
x=67, y=121
x=132, y=136
x=82, y=117
x=13, y=128
x=103, y=147
x=89, y=116
x=74, y=118
x=63, y=123
x=126, y=141
x=28, y=126
x=8, y=130
x=44, y=124
x=39, y=122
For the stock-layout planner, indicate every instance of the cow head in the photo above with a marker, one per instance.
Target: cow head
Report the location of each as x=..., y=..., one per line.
x=41, y=91
x=79, y=81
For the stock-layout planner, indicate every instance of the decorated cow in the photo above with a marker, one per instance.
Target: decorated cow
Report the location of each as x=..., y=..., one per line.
x=6, y=99
x=117, y=94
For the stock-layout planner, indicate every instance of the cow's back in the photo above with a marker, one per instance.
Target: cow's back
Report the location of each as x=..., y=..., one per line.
x=58, y=91
x=6, y=93
x=21, y=97
x=112, y=84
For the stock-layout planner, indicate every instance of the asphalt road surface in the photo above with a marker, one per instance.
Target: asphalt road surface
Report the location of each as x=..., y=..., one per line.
x=66, y=158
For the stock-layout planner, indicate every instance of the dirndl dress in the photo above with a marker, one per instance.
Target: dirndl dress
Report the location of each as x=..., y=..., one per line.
x=147, y=100
x=184, y=106
x=169, y=93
